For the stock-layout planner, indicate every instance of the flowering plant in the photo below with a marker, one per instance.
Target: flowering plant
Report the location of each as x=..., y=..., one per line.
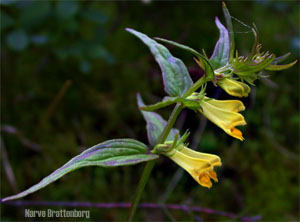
x=225, y=68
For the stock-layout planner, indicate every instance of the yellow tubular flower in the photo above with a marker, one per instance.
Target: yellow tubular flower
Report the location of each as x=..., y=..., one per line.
x=199, y=165
x=224, y=113
x=234, y=88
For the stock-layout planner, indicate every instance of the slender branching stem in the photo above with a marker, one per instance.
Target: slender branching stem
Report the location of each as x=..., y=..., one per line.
x=150, y=164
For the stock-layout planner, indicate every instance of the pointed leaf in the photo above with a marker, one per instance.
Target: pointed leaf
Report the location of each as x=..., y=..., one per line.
x=169, y=101
x=184, y=47
x=175, y=75
x=155, y=124
x=205, y=64
x=280, y=67
x=165, y=102
x=221, y=52
x=230, y=30
x=244, y=68
x=118, y=152
x=248, y=70
x=280, y=58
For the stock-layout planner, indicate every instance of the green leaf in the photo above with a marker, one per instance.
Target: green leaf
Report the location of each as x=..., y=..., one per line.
x=274, y=64
x=118, y=152
x=230, y=30
x=247, y=70
x=155, y=124
x=165, y=102
x=221, y=52
x=243, y=68
x=205, y=64
x=280, y=67
x=184, y=47
x=191, y=104
x=175, y=75
x=169, y=101
x=17, y=40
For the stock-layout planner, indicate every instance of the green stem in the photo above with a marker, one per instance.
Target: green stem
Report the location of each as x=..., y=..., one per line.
x=176, y=111
x=140, y=188
x=149, y=165
x=196, y=86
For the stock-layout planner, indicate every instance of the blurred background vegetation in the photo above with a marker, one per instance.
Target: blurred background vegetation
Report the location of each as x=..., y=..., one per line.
x=70, y=74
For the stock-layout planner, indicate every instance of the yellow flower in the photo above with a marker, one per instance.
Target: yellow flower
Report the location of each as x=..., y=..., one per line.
x=224, y=113
x=199, y=165
x=234, y=88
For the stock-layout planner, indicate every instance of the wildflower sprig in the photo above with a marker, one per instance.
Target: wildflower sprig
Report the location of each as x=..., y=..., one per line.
x=229, y=70
x=199, y=165
x=225, y=69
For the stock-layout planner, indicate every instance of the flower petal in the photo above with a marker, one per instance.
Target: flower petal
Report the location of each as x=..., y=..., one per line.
x=204, y=180
x=226, y=120
x=213, y=159
x=234, y=88
x=229, y=105
x=199, y=166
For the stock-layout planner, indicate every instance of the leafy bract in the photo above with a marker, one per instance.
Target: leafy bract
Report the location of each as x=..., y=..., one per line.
x=248, y=70
x=175, y=75
x=272, y=67
x=117, y=152
x=221, y=52
x=155, y=124
x=244, y=66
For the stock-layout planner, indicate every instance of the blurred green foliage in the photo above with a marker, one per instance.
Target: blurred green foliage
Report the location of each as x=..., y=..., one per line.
x=46, y=43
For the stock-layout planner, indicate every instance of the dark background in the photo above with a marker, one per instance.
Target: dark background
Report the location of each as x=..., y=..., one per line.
x=46, y=45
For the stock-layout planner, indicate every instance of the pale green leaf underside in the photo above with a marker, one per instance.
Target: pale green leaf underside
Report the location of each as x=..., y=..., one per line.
x=118, y=152
x=155, y=125
x=175, y=75
x=221, y=52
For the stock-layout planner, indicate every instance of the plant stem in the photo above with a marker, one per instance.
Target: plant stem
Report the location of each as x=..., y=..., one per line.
x=176, y=111
x=196, y=86
x=149, y=165
x=139, y=191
